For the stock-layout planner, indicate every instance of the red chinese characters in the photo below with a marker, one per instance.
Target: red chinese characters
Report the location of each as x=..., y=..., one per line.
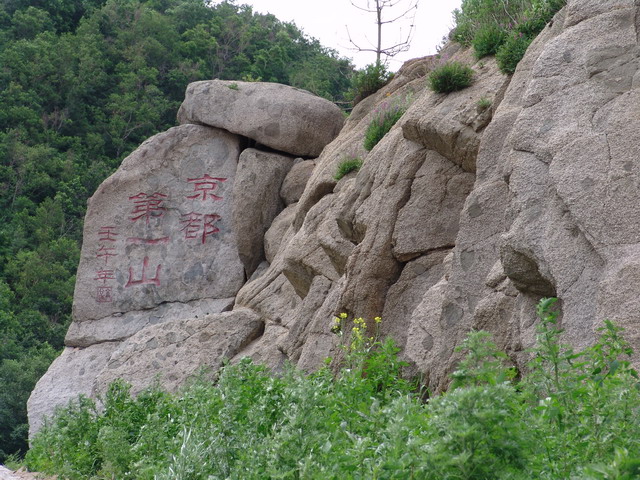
x=103, y=292
x=204, y=187
x=147, y=206
x=144, y=279
x=198, y=225
x=107, y=234
x=107, y=237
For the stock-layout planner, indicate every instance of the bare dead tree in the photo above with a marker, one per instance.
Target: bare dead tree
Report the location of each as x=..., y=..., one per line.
x=388, y=11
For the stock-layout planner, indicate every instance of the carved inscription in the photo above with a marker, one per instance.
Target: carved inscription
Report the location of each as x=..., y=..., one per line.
x=107, y=237
x=147, y=212
x=147, y=206
x=144, y=279
x=205, y=186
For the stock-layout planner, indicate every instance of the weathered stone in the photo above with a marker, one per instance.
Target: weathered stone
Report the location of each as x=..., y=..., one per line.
x=304, y=257
x=388, y=173
x=320, y=342
x=266, y=349
x=172, y=352
x=71, y=374
x=122, y=326
x=303, y=316
x=430, y=218
x=349, y=144
x=296, y=180
x=278, y=116
x=277, y=232
x=159, y=230
x=256, y=201
x=271, y=295
x=454, y=127
x=405, y=295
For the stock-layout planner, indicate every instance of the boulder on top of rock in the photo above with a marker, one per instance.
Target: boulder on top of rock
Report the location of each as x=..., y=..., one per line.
x=159, y=230
x=281, y=117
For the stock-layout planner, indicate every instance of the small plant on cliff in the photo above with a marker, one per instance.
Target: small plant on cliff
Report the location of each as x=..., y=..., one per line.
x=488, y=40
x=483, y=104
x=450, y=77
x=385, y=116
x=512, y=51
x=346, y=166
x=368, y=81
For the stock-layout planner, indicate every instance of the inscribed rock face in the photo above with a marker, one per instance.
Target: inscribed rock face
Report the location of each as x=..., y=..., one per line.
x=159, y=230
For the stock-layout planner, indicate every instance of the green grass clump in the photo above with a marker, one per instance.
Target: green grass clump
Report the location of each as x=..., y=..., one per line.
x=483, y=104
x=385, y=116
x=346, y=166
x=571, y=415
x=450, y=77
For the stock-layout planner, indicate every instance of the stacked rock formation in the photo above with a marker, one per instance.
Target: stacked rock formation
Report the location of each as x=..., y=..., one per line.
x=461, y=218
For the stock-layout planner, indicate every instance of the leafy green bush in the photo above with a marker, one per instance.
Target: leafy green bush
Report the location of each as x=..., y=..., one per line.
x=450, y=77
x=346, y=166
x=502, y=27
x=474, y=15
x=511, y=52
x=385, y=116
x=368, y=81
x=487, y=40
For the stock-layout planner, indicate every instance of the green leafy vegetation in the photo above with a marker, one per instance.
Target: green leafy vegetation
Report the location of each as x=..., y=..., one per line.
x=488, y=40
x=368, y=81
x=346, y=166
x=83, y=83
x=450, y=77
x=571, y=415
x=511, y=52
x=385, y=116
x=504, y=28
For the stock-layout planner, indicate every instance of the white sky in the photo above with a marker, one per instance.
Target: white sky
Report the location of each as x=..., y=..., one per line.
x=326, y=20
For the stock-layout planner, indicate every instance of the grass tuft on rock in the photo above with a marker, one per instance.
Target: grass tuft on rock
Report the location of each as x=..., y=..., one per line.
x=450, y=77
x=346, y=166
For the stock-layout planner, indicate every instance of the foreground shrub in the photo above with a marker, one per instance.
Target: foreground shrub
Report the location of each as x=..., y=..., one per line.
x=572, y=415
x=450, y=77
x=346, y=166
x=385, y=116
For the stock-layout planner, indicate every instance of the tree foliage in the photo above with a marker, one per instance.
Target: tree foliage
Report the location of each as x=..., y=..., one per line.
x=82, y=83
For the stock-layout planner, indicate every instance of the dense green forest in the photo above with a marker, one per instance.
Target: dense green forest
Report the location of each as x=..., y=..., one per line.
x=83, y=83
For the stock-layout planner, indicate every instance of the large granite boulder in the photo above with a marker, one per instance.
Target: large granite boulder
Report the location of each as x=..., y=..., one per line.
x=159, y=246
x=159, y=232
x=284, y=118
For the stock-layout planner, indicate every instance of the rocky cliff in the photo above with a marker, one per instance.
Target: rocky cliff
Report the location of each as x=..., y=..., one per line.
x=229, y=236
